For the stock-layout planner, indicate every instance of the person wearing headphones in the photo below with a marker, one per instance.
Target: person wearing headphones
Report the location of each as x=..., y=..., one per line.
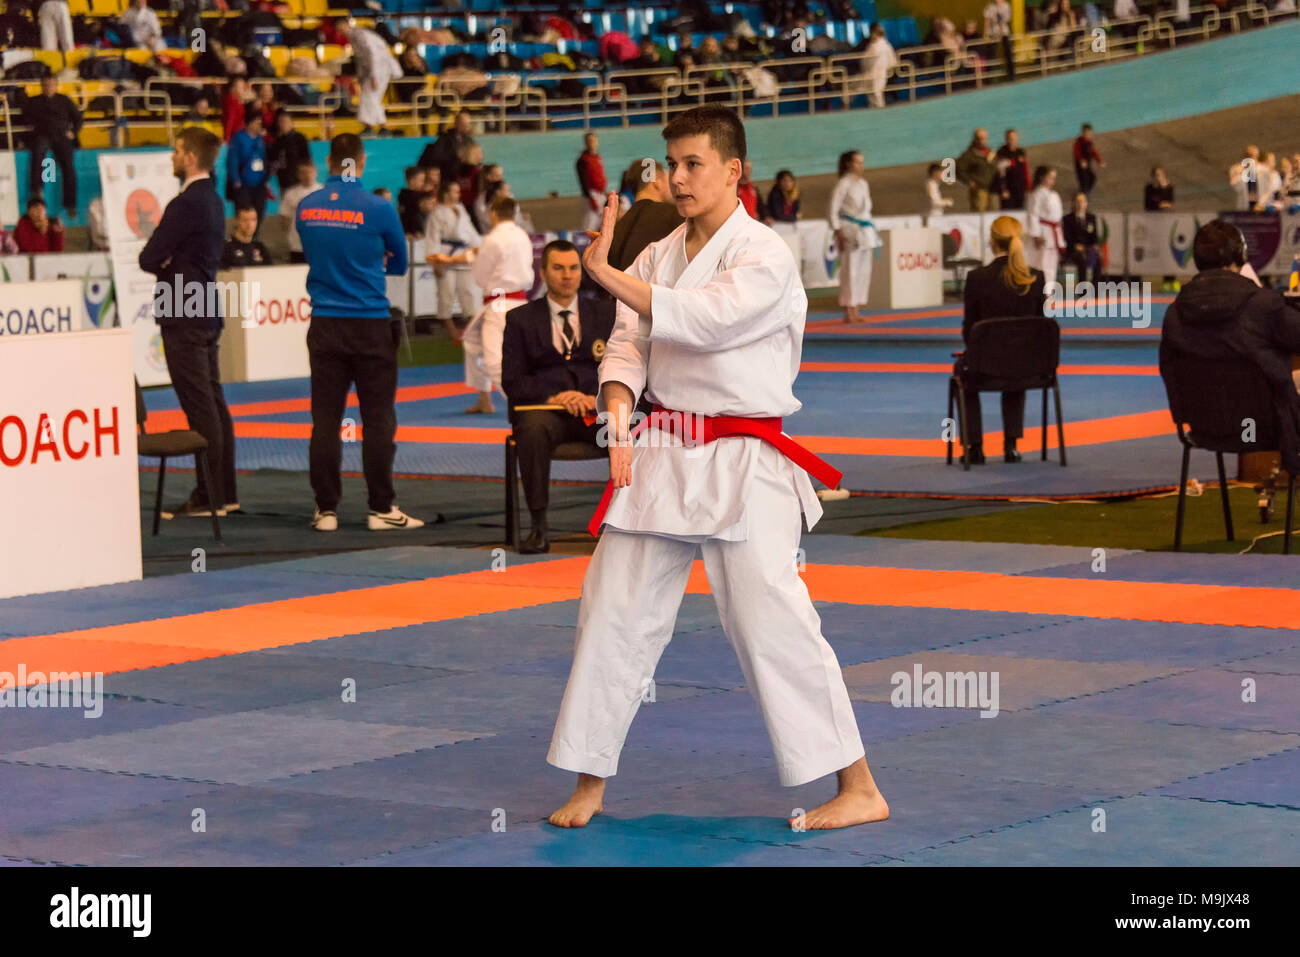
x=1224, y=313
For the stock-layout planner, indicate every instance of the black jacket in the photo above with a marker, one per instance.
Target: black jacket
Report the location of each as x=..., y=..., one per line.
x=237, y=255
x=285, y=154
x=188, y=240
x=1079, y=233
x=532, y=370
x=646, y=222
x=1223, y=315
x=988, y=297
x=52, y=117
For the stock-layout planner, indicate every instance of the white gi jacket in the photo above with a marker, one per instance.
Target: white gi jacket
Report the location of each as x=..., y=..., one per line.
x=1044, y=215
x=852, y=198
x=724, y=337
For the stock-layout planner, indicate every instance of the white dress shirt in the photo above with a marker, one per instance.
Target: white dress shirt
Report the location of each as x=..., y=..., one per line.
x=558, y=321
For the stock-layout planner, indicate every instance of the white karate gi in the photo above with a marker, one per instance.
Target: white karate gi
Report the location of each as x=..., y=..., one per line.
x=1043, y=213
x=852, y=197
x=724, y=337
x=884, y=60
x=374, y=62
x=504, y=264
x=56, y=25
x=448, y=230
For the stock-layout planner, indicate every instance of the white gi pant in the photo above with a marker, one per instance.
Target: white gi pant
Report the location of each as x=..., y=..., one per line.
x=457, y=285
x=630, y=597
x=592, y=218
x=370, y=103
x=855, y=275
x=56, y=25
x=483, y=343
x=1048, y=259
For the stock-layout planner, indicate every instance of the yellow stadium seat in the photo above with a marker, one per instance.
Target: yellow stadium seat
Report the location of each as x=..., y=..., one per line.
x=279, y=57
x=139, y=55
x=330, y=51
x=315, y=8
x=50, y=58
x=79, y=7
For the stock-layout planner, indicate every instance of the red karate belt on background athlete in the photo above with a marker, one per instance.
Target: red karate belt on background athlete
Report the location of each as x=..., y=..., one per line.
x=519, y=294
x=710, y=427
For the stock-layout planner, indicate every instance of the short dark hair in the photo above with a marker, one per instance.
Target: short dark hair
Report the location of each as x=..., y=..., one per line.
x=1085, y=127
x=414, y=171
x=504, y=207
x=557, y=246
x=1218, y=244
x=346, y=146
x=1040, y=173
x=253, y=113
x=932, y=168
x=204, y=144
x=722, y=126
x=244, y=208
x=34, y=202
x=445, y=187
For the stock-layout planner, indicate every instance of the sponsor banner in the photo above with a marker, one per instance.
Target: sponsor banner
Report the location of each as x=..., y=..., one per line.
x=1160, y=244
x=93, y=271
x=424, y=284
x=1288, y=246
x=71, y=504
x=1263, y=232
x=15, y=268
x=1112, y=239
x=916, y=221
x=793, y=238
x=9, y=213
x=909, y=272
x=41, y=308
x=266, y=337
x=967, y=229
x=136, y=188
x=819, y=263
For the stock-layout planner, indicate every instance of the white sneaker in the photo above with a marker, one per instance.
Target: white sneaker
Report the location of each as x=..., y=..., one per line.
x=393, y=518
x=325, y=521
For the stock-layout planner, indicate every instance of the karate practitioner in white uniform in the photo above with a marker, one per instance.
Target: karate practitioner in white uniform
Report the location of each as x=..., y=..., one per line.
x=376, y=68
x=713, y=314
x=503, y=269
x=1043, y=211
x=451, y=236
x=855, y=236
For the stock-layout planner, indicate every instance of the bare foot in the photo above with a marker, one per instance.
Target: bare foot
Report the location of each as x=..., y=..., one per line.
x=584, y=805
x=484, y=405
x=859, y=801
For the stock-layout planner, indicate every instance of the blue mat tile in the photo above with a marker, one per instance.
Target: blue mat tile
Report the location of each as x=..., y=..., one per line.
x=1116, y=755
x=861, y=633
x=38, y=797
x=1273, y=780
x=1211, y=698
x=911, y=553
x=1286, y=662
x=1247, y=571
x=23, y=728
x=409, y=563
x=1140, y=832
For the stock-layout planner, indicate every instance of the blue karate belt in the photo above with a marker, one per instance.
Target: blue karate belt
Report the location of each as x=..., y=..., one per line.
x=864, y=223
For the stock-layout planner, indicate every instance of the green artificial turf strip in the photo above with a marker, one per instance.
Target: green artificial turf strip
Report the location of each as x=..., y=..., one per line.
x=430, y=350
x=1143, y=523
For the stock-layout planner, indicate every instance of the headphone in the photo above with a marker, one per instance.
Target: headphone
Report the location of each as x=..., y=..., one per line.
x=1239, y=254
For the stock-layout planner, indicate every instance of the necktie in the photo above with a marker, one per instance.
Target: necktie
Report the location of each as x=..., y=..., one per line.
x=570, y=333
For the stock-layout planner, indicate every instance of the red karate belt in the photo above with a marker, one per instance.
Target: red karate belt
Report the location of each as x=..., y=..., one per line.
x=518, y=294
x=1056, y=232
x=706, y=428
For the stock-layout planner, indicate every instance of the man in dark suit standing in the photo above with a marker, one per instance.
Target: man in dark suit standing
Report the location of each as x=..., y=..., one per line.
x=185, y=249
x=550, y=355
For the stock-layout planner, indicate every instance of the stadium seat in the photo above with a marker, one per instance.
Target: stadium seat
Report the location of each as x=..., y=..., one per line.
x=314, y=8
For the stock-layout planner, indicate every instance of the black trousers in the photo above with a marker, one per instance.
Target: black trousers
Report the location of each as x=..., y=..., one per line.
x=1088, y=262
x=191, y=354
x=62, y=148
x=1013, y=416
x=537, y=433
x=1008, y=57
x=343, y=352
x=1087, y=178
x=254, y=196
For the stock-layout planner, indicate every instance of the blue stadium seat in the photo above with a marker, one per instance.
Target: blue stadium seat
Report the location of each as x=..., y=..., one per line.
x=901, y=31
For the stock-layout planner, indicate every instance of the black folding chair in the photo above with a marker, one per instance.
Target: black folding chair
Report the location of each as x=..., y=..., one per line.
x=165, y=445
x=1216, y=405
x=1008, y=355
x=564, y=452
x=959, y=266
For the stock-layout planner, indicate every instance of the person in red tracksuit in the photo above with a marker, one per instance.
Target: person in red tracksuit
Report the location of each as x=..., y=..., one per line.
x=1086, y=160
x=591, y=179
x=37, y=232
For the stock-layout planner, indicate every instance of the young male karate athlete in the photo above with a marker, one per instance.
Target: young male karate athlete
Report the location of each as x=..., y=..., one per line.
x=713, y=315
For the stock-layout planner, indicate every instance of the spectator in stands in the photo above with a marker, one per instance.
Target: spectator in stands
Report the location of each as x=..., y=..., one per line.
x=975, y=168
x=408, y=202
x=414, y=72
x=1269, y=182
x=1221, y=314
x=143, y=25
x=270, y=105
x=56, y=124
x=471, y=167
x=489, y=178
x=384, y=193
x=289, y=200
x=1086, y=159
x=1158, y=196
x=934, y=192
x=243, y=248
x=288, y=151
x=446, y=150
x=591, y=181
x=246, y=171
x=56, y=27
x=1291, y=182
x=1013, y=172
x=8, y=245
x=746, y=190
x=1004, y=288
x=234, y=106
x=451, y=236
x=783, y=200
x=647, y=59
x=1081, y=239
x=651, y=217
x=617, y=48
x=200, y=113
x=883, y=59
x=36, y=232
x=376, y=68
x=997, y=29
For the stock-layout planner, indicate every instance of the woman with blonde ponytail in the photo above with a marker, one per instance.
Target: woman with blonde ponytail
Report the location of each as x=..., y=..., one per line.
x=1004, y=288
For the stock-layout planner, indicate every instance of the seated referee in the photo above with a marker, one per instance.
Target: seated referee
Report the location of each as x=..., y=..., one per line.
x=550, y=355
